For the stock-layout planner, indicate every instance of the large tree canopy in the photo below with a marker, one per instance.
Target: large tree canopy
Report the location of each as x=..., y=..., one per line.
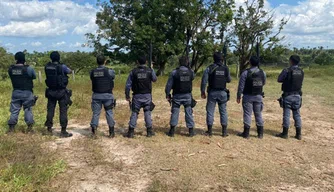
x=169, y=25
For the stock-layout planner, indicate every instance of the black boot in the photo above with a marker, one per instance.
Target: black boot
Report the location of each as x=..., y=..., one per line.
x=150, y=132
x=191, y=132
x=11, y=129
x=284, y=134
x=29, y=129
x=260, y=132
x=245, y=134
x=298, y=133
x=49, y=131
x=111, y=132
x=64, y=133
x=224, y=131
x=94, y=130
x=171, y=131
x=209, y=131
x=130, y=133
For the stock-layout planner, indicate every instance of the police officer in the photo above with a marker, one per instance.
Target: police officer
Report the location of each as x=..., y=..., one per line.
x=217, y=75
x=102, y=86
x=140, y=82
x=292, y=81
x=180, y=80
x=251, y=85
x=57, y=81
x=22, y=77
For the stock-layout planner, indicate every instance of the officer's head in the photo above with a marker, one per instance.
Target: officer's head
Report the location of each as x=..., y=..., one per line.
x=254, y=61
x=20, y=58
x=54, y=56
x=183, y=61
x=141, y=60
x=217, y=57
x=100, y=59
x=294, y=60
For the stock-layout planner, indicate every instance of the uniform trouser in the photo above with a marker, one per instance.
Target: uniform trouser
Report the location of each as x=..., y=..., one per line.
x=292, y=103
x=248, y=108
x=219, y=97
x=97, y=107
x=187, y=110
x=52, y=102
x=18, y=101
x=136, y=106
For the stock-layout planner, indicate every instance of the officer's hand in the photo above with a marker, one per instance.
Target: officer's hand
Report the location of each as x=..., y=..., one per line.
x=168, y=98
x=203, y=96
x=128, y=99
x=238, y=101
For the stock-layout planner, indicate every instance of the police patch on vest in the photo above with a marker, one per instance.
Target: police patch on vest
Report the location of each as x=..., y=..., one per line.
x=296, y=72
x=220, y=73
x=184, y=78
x=142, y=75
x=98, y=74
x=257, y=82
x=17, y=72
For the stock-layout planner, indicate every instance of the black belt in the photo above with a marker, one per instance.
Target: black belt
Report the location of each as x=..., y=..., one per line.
x=291, y=93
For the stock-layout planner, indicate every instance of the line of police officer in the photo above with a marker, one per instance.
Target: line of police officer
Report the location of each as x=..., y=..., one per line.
x=140, y=81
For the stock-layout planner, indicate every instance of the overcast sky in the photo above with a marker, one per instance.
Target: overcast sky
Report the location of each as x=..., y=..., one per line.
x=41, y=25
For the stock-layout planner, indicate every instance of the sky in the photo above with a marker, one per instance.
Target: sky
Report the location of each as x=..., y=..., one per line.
x=42, y=25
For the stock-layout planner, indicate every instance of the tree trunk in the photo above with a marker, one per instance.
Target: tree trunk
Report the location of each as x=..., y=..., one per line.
x=243, y=63
x=162, y=66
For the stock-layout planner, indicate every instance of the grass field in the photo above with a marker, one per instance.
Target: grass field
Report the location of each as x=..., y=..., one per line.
x=43, y=163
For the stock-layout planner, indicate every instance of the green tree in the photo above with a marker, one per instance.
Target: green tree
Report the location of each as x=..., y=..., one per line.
x=78, y=61
x=253, y=22
x=6, y=59
x=324, y=58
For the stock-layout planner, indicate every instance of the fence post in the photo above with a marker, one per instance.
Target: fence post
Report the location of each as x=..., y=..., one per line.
x=73, y=75
x=39, y=76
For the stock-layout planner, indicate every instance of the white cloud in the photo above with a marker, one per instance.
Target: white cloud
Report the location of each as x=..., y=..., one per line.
x=36, y=44
x=76, y=45
x=45, y=18
x=59, y=44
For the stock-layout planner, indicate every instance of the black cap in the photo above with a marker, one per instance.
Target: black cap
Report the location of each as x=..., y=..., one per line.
x=254, y=61
x=20, y=57
x=217, y=57
x=55, y=56
x=295, y=59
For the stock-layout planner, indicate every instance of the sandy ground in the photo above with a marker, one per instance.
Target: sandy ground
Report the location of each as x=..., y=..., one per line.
x=201, y=163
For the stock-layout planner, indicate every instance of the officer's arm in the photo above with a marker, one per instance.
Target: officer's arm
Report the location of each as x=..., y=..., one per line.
x=194, y=74
x=169, y=84
x=205, y=79
x=112, y=74
x=31, y=72
x=128, y=86
x=66, y=69
x=282, y=76
x=242, y=82
x=154, y=76
x=228, y=80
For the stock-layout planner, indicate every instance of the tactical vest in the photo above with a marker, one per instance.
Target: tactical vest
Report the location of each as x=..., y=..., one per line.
x=254, y=82
x=293, y=81
x=20, y=78
x=55, y=76
x=182, y=82
x=102, y=81
x=142, y=80
x=217, y=77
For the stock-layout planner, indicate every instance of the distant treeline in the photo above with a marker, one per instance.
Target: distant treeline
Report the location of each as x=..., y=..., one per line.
x=84, y=61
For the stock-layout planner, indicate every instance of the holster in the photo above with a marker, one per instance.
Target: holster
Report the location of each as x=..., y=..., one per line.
x=193, y=103
x=281, y=102
x=228, y=94
x=68, y=96
x=152, y=106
